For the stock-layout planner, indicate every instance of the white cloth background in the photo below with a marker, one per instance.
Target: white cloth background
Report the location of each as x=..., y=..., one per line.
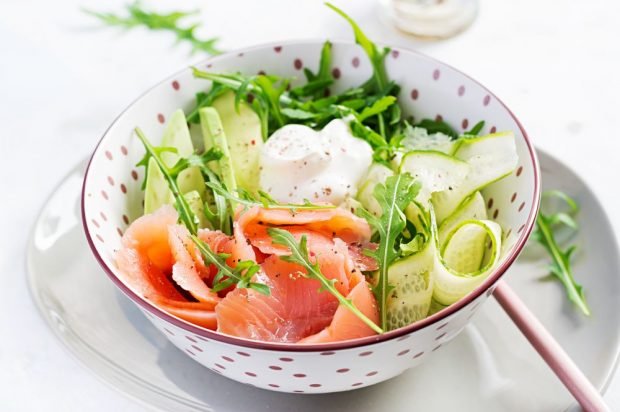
x=63, y=79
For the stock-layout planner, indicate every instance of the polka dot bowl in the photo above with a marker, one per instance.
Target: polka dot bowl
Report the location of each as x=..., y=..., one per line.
x=112, y=198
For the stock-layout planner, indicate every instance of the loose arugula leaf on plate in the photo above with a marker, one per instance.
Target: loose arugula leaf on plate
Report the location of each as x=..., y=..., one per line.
x=393, y=197
x=547, y=226
x=299, y=255
x=138, y=16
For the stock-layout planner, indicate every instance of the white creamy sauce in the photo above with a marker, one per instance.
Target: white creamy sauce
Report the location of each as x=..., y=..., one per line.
x=300, y=163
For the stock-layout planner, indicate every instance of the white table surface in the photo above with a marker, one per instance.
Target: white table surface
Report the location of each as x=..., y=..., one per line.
x=63, y=79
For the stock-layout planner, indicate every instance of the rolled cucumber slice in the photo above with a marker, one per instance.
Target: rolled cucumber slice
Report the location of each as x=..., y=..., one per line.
x=214, y=134
x=469, y=254
x=490, y=158
x=412, y=281
x=437, y=171
x=377, y=173
x=157, y=193
x=242, y=127
x=472, y=208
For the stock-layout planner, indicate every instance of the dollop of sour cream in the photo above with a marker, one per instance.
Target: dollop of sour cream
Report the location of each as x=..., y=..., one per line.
x=300, y=163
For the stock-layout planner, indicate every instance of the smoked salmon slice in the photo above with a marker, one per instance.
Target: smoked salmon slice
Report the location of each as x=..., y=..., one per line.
x=345, y=325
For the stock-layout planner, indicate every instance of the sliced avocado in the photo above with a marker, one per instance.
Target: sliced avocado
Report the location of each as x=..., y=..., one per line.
x=245, y=141
x=214, y=135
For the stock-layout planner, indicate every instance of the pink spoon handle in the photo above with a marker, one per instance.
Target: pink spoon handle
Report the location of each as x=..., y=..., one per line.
x=548, y=348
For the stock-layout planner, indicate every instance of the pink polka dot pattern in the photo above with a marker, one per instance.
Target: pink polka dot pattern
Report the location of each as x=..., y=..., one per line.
x=103, y=216
x=442, y=326
x=297, y=371
x=439, y=118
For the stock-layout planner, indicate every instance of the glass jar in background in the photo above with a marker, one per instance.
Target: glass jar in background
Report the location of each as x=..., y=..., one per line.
x=433, y=19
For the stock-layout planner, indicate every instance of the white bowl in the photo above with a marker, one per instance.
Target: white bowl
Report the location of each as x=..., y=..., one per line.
x=112, y=198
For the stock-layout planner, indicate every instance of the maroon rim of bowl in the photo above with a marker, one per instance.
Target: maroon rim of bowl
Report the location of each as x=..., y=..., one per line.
x=352, y=343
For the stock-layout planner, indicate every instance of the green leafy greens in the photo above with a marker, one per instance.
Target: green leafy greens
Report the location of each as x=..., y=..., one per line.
x=227, y=276
x=299, y=255
x=138, y=16
x=547, y=227
x=393, y=197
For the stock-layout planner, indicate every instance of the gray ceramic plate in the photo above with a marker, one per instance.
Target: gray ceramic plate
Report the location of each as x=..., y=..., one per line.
x=489, y=367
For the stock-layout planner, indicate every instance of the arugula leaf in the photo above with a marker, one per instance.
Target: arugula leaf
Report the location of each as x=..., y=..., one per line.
x=263, y=200
x=437, y=126
x=393, y=197
x=186, y=215
x=203, y=100
x=377, y=107
x=138, y=16
x=241, y=275
x=475, y=131
x=374, y=53
x=299, y=255
x=317, y=84
x=547, y=226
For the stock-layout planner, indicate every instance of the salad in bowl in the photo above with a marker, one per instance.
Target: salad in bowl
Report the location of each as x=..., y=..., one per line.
x=322, y=215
